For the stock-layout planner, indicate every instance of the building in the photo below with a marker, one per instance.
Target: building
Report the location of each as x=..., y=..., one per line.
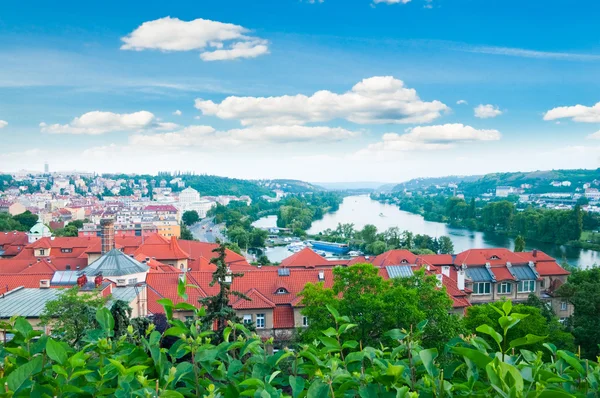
x=38, y=231
x=504, y=191
x=12, y=208
x=592, y=194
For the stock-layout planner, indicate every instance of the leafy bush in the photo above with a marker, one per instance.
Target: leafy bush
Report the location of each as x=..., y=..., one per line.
x=241, y=365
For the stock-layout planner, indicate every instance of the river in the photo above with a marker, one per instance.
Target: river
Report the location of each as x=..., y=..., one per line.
x=362, y=210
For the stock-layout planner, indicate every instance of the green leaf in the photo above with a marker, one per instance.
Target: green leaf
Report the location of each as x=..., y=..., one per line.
x=56, y=351
x=330, y=332
x=507, y=307
x=347, y=326
x=368, y=391
x=175, y=331
x=297, y=384
x=105, y=319
x=333, y=311
x=171, y=394
x=529, y=339
x=396, y=334
x=427, y=356
x=574, y=362
x=183, y=306
x=253, y=383
x=487, y=329
x=479, y=358
x=274, y=375
x=330, y=342
x=181, y=288
x=118, y=365
x=317, y=389
x=23, y=327
x=23, y=373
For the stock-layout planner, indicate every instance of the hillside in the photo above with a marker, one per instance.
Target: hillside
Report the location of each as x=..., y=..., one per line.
x=290, y=186
x=539, y=180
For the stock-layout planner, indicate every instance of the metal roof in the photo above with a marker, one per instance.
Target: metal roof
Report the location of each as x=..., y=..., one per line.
x=523, y=273
x=115, y=263
x=479, y=274
x=283, y=271
x=399, y=271
x=127, y=293
x=29, y=303
x=64, y=278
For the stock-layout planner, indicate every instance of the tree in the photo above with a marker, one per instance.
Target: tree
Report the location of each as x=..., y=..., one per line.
x=27, y=219
x=190, y=217
x=583, y=291
x=72, y=314
x=445, y=245
x=69, y=230
x=376, y=305
x=121, y=313
x=186, y=234
x=519, y=244
x=376, y=247
x=258, y=237
x=369, y=233
x=217, y=307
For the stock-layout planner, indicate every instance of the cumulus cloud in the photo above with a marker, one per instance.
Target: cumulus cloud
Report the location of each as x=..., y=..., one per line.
x=577, y=113
x=487, y=111
x=378, y=100
x=98, y=122
x=217, y=41
x=462, y=102
x=3, y=123
x=594, y=136
x=431, y=138
x=207, y=136
x=177, y=113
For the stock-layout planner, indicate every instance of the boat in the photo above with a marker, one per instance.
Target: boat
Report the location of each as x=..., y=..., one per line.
x=337, y=248
x=381, y=215
x=355, y=253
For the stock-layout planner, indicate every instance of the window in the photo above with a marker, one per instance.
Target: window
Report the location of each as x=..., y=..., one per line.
x=260, y=321
x=66, y=250
x=543, y=283
x=562, y=320
x=526, y=286
x=563, y=305
x=504, y=288
x=247, y=319
x=132, y=281
x=481, y=288
x=42, y=252
x=494, y=257
x=304, y=321
x=281, y=290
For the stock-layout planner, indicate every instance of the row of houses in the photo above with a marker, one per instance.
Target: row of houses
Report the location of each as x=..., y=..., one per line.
x=142, y=270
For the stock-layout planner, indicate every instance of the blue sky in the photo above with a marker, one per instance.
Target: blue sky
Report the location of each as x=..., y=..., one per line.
x=96, y=85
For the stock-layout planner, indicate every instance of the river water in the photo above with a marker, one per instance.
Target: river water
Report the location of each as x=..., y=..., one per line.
x=362, y=210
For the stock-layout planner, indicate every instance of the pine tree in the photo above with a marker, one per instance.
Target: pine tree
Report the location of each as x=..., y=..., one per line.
x=519, y=244
x=218, y=308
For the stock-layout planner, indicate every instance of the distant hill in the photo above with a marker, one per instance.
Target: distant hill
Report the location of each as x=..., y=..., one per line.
x=419, y=183
x=478, y=184
x=290, y=186
x=340, y=186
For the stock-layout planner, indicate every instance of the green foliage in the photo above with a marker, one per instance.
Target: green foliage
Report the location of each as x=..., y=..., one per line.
x=334, y=365
x=583, y=291
x=68, y=230
x=8, y=223
x=72, y=315
x=519, y=244
x=186, y=234
x=27, y=219
x=376, y=305
x=190, y=217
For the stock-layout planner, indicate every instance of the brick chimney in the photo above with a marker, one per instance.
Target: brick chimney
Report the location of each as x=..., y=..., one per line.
x=107, y=227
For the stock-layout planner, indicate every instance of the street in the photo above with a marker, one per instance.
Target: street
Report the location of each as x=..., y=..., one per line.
x=206, y=231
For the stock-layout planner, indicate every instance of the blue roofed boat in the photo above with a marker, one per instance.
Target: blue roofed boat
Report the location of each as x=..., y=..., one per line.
x=337, y=248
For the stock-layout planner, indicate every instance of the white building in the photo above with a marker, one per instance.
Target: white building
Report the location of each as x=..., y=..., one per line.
x=504, y=191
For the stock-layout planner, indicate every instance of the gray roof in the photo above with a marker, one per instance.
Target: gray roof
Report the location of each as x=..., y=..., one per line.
x=115, y=263
x=523, y=273
x=29, y=303
x=479, y=274
x=399, y=271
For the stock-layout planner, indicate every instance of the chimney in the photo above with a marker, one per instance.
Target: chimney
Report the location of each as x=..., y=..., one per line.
x=460, y=276
x=107, y=227
x=446, y=271
x=534, y=252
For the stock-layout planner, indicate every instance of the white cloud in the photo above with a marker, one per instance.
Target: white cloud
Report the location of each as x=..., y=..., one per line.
x=523, y=53
x=3, y=123
x=431, y=138
x=380, y=99
x=487, y=111
x=97, y=122
x=207, y=136
x=210, y=37
x=462, y=102
x=578, y=113
x=391, y=1
x=594, y=136
x=177, y=113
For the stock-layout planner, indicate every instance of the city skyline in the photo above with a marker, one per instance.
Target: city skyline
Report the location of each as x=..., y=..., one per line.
x=312, y=90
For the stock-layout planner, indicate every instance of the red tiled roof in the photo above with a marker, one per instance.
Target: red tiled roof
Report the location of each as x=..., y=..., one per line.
x=502, y=273
x=305, y=258
x=438, y=259
x=547, y=268
x=12, y=281
x=169, y=208
x=40, y=267
x=257, y=301
x=13, y=238
x=283, y=317
x=395, y=257
x=483, y=256
x=197, y=249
